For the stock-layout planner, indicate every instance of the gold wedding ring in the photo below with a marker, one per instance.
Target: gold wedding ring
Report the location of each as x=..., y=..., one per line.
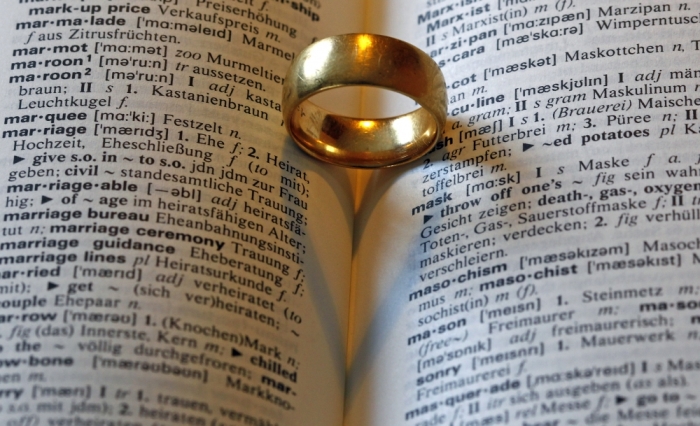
x=364, y=60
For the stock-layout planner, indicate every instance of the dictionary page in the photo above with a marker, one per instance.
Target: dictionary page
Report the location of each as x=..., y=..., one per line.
x=165, y=251
x=539, y=267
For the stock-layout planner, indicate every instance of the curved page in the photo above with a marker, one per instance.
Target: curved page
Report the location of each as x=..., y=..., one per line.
x=165, y=247
x=539, y=267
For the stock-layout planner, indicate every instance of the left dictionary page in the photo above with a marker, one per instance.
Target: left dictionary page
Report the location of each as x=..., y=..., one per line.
x=167, y=255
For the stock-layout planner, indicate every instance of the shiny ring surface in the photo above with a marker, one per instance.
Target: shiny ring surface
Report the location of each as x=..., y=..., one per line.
x=364, y=60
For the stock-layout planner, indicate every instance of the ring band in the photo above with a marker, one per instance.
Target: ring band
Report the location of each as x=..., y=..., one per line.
x=364, y=60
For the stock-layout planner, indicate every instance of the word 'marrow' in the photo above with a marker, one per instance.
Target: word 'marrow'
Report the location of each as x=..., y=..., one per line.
x=17, y=160
x=51, y=286
x=45, y=199
x=426, y=219
x=527, y=146
x=235, y=352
